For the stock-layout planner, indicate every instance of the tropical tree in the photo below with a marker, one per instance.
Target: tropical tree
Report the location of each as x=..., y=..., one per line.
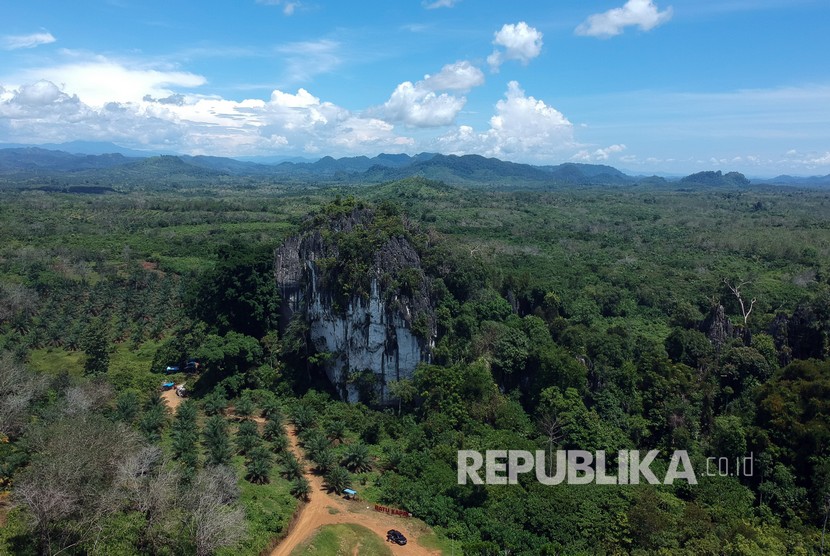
x=316, y=444
x=272, y=430
x=404, y=391
x=303, y=417
x=127, y=407
x=215, y=402
x=247, y=437
x=216, y=441
x=336, y=430
x=185, y=433
x=338, y=479
x=325, y=461
x=291, y=467
x=393, y=456
x=239, y=293
x=258, y=465
x=272, y=410
x=301, y=489
x=279, y=444
x=153, y=422
x=356, y=458
x=95, y=345
x=244, y=407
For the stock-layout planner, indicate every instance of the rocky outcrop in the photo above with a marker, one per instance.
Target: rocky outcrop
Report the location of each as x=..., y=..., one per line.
x=718, y=328
x=801, y=336
x=369, y=309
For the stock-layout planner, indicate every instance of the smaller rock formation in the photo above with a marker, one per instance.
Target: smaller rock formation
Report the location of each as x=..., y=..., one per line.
x=718, y=328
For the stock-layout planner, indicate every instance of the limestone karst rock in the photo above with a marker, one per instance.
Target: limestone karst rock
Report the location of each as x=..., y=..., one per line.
x=365, y=299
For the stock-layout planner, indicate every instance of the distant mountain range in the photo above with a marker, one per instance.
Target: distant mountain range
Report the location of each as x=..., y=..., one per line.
x=87, y=147
x=811, y=181
x=36, y=159
x=133, y=167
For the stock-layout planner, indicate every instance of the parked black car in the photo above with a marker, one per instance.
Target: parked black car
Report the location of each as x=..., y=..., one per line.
x=395, y=536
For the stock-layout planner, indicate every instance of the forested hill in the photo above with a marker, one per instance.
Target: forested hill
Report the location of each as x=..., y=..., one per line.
x=20, y=164
x=715, y=179
x=601, y=318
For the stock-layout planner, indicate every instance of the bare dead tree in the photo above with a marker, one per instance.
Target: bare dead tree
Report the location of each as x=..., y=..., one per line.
x=18, y=388
x=148, y=485
x=68, y=486
x=214, y=519
x=17, y=300
x=47, y=504
x=552, y=428
x=86, y=398
x=736, y=290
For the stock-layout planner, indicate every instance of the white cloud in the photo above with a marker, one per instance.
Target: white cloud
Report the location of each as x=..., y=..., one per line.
x=439, y=4
x=99, y=80
x=821, y=160
x=305, y=59
x=423, y=105
x=303, y=99
x=520, y=42
x=460, y=76
x=356, y=134
x=288, y=8
x=599, y=155
x=810, y=161
x=153, y=105
x=522, y=129
x=39, y=94
x=642, y=13
x=523, y=123
x=419, y=107
x=41, y=113
x=14, y=42
x=287, y=122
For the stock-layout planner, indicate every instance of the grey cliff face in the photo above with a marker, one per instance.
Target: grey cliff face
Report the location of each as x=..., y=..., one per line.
x=367, y=334
x=719, y=328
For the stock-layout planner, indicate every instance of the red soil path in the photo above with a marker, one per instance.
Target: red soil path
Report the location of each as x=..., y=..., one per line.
x=326, y=509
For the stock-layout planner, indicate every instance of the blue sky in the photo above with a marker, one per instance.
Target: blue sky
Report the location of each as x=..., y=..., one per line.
x=644, y=85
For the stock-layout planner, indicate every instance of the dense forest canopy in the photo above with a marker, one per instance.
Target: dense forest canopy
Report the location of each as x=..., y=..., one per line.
x=693, y=318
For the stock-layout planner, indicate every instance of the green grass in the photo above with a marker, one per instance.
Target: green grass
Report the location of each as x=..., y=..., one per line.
x=56, y=360
x=364, y=484
x=268, y=509
x=346, y=539
x=128, y=369
x=434, y=541
x=123, y=360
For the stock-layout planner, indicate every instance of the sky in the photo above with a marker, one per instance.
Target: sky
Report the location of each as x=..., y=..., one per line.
x=647, y=86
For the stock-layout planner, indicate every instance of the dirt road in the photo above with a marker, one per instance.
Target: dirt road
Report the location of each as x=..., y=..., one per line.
x=325, y=509
x=171, y=399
